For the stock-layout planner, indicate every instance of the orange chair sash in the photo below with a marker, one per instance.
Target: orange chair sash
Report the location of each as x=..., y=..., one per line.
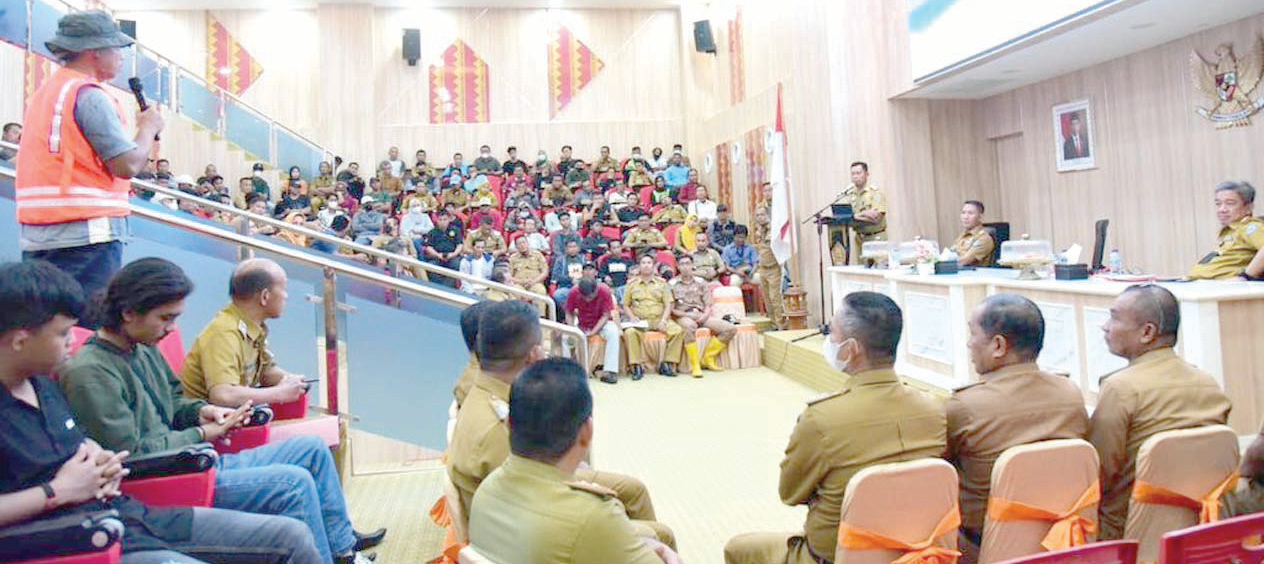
x=439, y=514
x=1208, y=507
x=1069, y=528
x=921, y=552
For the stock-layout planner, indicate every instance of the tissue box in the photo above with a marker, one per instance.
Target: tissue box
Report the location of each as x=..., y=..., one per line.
x=1070, y=271
x=946, y=267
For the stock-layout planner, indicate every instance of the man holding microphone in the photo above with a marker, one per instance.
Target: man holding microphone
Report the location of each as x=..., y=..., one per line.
x=76, y=160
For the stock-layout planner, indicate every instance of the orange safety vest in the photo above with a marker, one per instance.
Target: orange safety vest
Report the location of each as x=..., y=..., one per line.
x=60, y=178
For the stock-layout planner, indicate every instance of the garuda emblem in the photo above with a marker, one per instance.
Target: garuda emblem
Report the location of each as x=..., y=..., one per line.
x=1230, y=83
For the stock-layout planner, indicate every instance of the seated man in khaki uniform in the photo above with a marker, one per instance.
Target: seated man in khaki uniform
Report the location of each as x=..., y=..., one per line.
x=692, y=308
x=229, y=363
x=527, y=267
x=644, y=236
x=508, y=342
x=874, y=419
x=1240, y=249
x=1014, y=402
x=535, y=508
x=469, y=332
x=1156, y=392
x=486, y=231
x=648, y=299
x=708, y=264
x=974, y=245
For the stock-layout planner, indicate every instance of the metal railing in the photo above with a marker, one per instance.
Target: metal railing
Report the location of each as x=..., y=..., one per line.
x=394, y=260
x=332, y=269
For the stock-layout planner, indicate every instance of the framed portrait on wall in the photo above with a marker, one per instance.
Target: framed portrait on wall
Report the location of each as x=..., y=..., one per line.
x=1074, y=141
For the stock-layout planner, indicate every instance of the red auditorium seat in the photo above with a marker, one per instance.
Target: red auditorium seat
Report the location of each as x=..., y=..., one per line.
x=1113, y=552
x=669, y=233
x=71, y=539
x=1230, y=540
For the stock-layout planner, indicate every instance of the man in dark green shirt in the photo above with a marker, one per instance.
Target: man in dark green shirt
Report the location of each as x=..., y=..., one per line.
x=127, y=398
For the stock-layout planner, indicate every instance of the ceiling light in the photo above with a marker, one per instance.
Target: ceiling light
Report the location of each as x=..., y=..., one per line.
x=1141, y=25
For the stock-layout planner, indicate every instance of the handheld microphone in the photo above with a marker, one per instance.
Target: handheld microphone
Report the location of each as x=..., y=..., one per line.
x=138, y=90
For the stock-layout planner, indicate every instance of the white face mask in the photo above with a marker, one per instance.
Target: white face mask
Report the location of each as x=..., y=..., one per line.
x=830, y=350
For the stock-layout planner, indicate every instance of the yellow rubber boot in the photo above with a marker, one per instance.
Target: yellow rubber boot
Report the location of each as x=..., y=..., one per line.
x=694, y=367
x=711, y=358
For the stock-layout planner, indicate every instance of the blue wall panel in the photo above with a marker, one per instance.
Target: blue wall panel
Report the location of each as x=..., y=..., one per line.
x=292, y=151
x=247, y=130
x=13, y=18
x=198, y=103
x=44, y=18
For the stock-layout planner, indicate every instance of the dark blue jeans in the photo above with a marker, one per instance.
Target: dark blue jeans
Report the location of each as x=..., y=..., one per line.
x=234, y=537
x=91, y=265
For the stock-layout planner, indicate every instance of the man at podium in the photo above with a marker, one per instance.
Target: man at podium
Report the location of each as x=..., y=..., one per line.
x=870, y=208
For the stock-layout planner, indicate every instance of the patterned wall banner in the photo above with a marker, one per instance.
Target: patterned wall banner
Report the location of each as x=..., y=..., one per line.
x=724, y=173
x=756, y=166
x=37, y=70
x=737, y=60
x=228, y=64
x=458, y=87
x=572, y=65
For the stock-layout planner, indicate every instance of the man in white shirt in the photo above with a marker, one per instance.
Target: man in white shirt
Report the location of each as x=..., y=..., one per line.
x=535, y=239
x=703, y=207
x=478, y=263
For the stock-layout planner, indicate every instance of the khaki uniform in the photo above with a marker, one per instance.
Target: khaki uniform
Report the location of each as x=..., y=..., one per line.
x=605, y=163
x=875, y=419
x=529, y=266
x=1011, y=406
x=975, y=247
x=674, y=213
x=391, y=184
x=648, y=237
x=529, y=512
x=1249, y=496
x=495, y=241
x=1157, y=391
x=557, y=191
x=1238, y=243
x=707, y=264
x=456, y=195
x=861, y=199
x=480, y=444
x=648, y=300
x=466, y=380
x=695, y=295
x=230, y=350
x=769, y=274
x=428, y=202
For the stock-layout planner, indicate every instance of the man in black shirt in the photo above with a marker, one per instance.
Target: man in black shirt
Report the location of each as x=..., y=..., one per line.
x=48, y=468
x=443, y=247
x=615, y=268
x=512, y=162
x=595, y=243
x=722, y=228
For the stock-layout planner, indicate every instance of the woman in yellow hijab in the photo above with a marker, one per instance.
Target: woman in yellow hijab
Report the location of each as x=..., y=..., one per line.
x=686, y=236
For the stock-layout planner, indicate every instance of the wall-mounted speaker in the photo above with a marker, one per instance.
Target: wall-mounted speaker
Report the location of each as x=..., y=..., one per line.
x=703, y=41
x=412, y=46
x=128, y=27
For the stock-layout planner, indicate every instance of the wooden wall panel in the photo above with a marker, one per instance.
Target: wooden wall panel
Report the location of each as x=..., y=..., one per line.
x=1157, y=161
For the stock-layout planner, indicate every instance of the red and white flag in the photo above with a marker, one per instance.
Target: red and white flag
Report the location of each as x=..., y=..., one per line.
x=781, y=215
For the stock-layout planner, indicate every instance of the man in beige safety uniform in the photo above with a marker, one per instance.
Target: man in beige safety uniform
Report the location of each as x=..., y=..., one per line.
x=1156, y=392
x=646, y=297
x=707, y=262
x=644, y=236
x=874, y=419
x=508, y=342
x=527, y=267
x=869, y=208
x=692, y=308
x=768, y=268
x=536, y=508
x=1014, y=403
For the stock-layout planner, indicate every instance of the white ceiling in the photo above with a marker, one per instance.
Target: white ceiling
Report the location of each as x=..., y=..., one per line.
x=147, y=5
x=1118, y=30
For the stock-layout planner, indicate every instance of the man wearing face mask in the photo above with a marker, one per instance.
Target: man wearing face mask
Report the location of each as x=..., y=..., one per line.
x=874, y=419
x=1013, y=403
x=486, y=163
x=508, y=341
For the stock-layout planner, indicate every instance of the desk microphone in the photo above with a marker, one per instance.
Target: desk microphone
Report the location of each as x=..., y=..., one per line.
x=138, y=90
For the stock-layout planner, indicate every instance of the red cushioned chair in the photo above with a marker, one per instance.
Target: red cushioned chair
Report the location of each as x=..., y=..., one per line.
x=1229, y=540
x=611, y=232
x=647, y=196
x=177, y=477
x=1113, y=552
x=285, y=411
x=666, y=257
x=80, y=538
x=669, y=233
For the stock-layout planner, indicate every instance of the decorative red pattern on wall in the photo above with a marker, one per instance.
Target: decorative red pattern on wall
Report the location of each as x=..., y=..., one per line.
x=458, y=87
x=228, y=64
x=572, y=65
x=38, y=69
x=724, y=173
x=756, y=166
x=737, y=60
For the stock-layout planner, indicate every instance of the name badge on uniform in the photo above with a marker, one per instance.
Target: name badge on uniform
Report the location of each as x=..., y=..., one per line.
x=617, y=267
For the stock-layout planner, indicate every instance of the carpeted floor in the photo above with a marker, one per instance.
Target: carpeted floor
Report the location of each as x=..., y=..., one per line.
x=708, y=450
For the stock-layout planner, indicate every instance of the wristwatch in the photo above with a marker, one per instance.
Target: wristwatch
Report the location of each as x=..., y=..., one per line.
x=50, y=495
